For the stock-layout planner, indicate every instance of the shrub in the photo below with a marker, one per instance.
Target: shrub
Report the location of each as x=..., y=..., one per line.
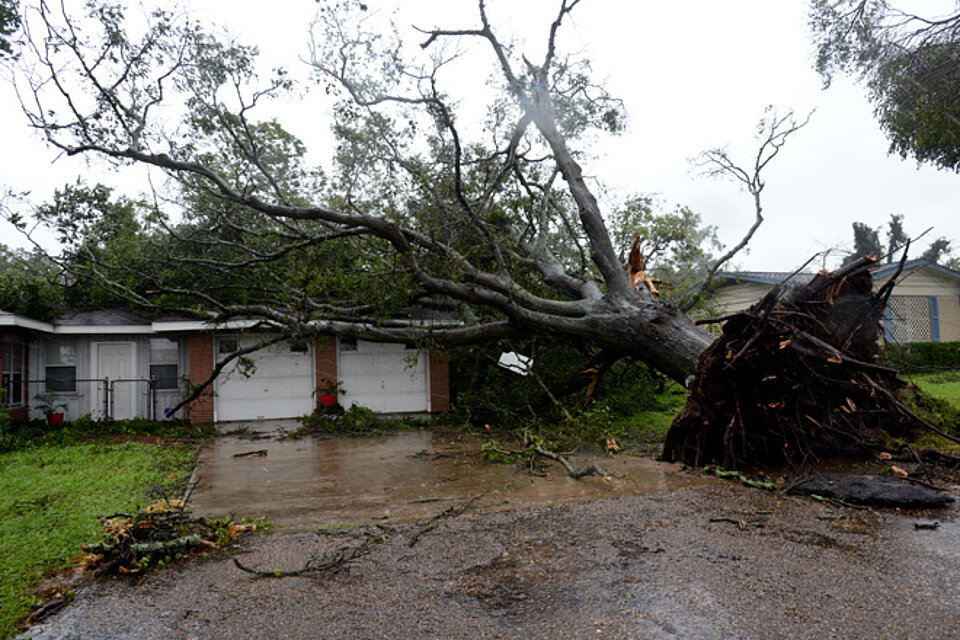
x=923, y=356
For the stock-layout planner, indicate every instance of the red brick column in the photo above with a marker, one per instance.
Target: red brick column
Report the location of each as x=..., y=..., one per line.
x=327, y=371
x=439, y=381
x=201, y=366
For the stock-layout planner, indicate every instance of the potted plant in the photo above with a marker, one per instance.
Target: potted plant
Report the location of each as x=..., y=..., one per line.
x=53, y=408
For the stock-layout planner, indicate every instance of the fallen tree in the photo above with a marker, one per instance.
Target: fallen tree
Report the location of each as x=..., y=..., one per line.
x=496, y=225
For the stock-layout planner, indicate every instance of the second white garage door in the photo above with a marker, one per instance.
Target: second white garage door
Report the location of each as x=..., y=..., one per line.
x=385, y=377
x=282, y=385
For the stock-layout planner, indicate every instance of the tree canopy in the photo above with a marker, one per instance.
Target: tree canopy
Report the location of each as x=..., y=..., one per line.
x=910, y=64
x=489, y=224
x=9, y=23
x=867, y=241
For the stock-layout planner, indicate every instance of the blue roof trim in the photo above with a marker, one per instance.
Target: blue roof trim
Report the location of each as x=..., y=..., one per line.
x=890, y=269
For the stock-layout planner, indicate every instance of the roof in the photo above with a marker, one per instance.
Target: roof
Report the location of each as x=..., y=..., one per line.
x=121, y=321
x=793, y=278
x=889, y=269
x=766, y=277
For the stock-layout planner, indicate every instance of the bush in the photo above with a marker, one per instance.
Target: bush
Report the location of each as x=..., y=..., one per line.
x=356, y=421
x=486, y=394
x=25, y=434
x=923, y=356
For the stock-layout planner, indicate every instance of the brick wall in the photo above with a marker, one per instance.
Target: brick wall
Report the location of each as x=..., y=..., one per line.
x=326, y=350
x=201, y=366
x=439, y=381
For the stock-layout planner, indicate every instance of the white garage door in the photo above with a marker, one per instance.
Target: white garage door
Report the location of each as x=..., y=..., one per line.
x=281, y=386
x=388, y=378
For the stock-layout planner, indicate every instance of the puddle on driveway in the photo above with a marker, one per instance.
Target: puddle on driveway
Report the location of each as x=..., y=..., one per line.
x=315, y=482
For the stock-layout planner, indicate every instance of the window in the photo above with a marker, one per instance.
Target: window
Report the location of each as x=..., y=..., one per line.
x=299, y=346
x=164, y=363
x=348, y=344
x=12, y=374
x=61, y=370
x=226, y=346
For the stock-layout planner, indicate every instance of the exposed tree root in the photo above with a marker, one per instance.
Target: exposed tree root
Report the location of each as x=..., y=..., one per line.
x=795, y=378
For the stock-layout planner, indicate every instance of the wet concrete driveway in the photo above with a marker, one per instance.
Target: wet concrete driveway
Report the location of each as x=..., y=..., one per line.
x=304, y=484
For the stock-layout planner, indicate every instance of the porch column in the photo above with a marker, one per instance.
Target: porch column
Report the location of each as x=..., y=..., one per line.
x=439, y=381
x=327, y=371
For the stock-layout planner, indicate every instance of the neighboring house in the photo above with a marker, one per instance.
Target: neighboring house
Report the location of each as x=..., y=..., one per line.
x=924, y=305
x=118, y=365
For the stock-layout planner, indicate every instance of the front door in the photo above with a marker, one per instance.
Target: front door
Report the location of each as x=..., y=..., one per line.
x=114, y=360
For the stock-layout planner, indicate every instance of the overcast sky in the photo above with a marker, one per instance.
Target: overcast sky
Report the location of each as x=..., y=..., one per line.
x=693, y=75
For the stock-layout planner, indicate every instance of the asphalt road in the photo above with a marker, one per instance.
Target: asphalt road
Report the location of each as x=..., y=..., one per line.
x=648, y=567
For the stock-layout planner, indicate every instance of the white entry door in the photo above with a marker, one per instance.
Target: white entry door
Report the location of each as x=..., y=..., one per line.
x=115, y=360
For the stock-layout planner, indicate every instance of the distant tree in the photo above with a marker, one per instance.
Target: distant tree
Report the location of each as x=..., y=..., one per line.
x=896, y=236
x=910, y=64
x=866, y=241
x=9, y=23
x=938, y=252
x=30, y=284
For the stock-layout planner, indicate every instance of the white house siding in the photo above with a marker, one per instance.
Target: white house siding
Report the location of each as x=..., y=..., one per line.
x=914, y=290
x=949, y=307
x=737, y=297
x=88, y=397
x=910, y=312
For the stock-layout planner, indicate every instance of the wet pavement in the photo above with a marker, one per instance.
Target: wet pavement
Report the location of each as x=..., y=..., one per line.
x=304, y=484
x=534, y=557
x=671, y=565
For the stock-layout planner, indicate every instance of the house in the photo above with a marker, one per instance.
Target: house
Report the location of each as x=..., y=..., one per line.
x=924, y=305
x=114, y=364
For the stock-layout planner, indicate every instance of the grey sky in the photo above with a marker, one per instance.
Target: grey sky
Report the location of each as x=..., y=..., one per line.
x=693, y=75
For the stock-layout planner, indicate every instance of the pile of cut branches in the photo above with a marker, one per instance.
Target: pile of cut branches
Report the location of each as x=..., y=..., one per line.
x=160, y=533
x=796, y=377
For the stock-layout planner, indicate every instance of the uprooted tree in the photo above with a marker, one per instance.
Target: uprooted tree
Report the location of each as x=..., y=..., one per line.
x=493, y=224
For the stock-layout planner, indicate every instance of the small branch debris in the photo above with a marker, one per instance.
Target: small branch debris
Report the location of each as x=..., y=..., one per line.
x=452, y=512
x=163, y=531
x=591, y=470
x=260, y=453
x=328, y=563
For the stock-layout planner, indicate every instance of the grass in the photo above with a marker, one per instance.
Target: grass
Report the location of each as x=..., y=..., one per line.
x=938, y=403
x=642, y=425
x=50, y=496
x=942, y=384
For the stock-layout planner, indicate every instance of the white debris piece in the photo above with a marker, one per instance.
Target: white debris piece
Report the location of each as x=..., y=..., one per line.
x=515, y=362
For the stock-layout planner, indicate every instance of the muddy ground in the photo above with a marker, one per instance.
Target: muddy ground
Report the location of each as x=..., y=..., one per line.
x=650, y=566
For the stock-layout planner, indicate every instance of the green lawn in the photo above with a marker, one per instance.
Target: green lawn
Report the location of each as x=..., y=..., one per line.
x=944, y=384
x=50, y=497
